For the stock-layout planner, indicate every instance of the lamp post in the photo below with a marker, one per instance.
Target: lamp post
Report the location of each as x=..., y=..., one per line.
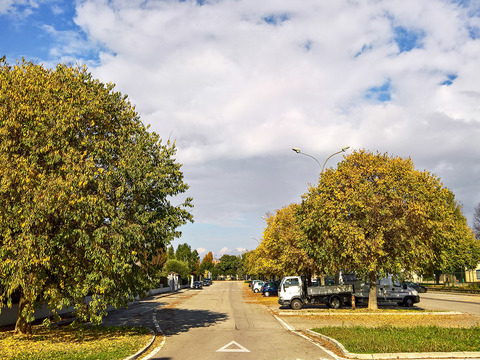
x=298, y=151
x=255, y=240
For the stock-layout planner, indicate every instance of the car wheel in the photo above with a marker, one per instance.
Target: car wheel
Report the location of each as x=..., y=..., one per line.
x=255, y=291
x=335, y=302
x=267, y=294
x=408, y=302
x=296, y=304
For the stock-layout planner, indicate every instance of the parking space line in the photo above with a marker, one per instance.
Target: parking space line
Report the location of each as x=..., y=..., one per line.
x=288, y=327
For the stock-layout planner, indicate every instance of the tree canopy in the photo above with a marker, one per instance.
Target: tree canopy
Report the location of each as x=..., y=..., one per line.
x=184, y=253
x=375, y=214
x=228, y=265
x=281, y=253
x=85, y=192
x=177, y=266
x=207, y=263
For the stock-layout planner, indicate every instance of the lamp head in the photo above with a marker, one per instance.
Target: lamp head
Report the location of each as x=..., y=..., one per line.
x=345, y=148
x=297, y=150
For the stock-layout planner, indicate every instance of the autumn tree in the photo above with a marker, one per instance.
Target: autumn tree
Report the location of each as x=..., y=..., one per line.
x=207, y=263
x=281, y=253
x=375, y=214
x=252, y=264
x=85, y=193
x=194, y=263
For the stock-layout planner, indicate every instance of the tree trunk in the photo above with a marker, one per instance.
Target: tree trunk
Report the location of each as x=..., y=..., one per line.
x=22, y=326
x=372, y=296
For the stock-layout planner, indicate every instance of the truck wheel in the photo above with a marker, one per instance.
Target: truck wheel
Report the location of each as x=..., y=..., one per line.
x=335, y=302
x=296, y=304
x=408, y=302
x=267, y=293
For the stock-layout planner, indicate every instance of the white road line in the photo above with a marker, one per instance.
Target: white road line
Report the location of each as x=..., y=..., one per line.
x=159, y=330
x=288, y=327
x=155, y=322
x=239, y=348
x=284, y=323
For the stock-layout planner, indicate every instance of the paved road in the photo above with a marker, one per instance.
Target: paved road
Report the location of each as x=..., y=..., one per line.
x=450, y=301
x=216, y=323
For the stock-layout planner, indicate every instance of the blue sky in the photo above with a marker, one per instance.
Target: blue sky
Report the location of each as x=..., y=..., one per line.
x=238, y=83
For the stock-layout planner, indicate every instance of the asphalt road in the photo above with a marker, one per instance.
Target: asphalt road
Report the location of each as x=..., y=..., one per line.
x=464, y=303
x=216, y=323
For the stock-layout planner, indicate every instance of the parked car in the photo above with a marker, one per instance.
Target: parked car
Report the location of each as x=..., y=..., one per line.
x=416, y=286
x=197, y=285
x=205, y=282
x=257, y=287
x=270, y=288
x=252, y=283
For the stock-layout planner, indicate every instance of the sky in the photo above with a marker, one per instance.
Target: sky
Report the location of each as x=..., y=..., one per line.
x=238, y=83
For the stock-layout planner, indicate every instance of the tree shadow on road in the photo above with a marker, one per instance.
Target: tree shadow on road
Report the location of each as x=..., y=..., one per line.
x=174, y=321
x=138, y=314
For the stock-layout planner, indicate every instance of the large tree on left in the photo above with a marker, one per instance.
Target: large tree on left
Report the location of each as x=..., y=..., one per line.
x=85, y=193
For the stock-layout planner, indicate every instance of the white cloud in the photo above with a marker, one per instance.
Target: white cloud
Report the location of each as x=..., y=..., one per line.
x=201, y=251
x=5, y=6
x=238, y=83
x=20, y=9
x=223, y=251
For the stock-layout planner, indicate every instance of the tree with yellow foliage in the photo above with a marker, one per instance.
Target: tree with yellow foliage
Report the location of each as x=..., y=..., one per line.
x=375, y=214
x=85, y=193
x=280, y=253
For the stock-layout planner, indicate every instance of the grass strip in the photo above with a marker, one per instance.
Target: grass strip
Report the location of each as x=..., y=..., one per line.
x=390, y=339
x=69, y=342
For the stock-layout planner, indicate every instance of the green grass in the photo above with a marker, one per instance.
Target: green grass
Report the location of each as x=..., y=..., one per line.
x=389, y=339
x=68, y=342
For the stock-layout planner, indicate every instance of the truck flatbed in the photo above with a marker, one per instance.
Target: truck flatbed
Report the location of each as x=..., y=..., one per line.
x=329, y=290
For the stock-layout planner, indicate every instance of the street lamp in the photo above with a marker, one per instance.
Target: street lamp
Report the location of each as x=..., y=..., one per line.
x=255, y=240
x=338, y=152
x=298, y=151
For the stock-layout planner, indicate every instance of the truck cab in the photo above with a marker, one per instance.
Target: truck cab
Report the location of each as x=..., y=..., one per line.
x=291, y=290
x=295, y=292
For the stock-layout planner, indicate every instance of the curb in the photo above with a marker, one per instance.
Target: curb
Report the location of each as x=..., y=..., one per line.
x=152, y=340
x=323, y=313
x=378, y=356
x=144, y=349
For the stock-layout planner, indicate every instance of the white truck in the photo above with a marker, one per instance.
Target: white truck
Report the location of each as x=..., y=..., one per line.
x=294, y=292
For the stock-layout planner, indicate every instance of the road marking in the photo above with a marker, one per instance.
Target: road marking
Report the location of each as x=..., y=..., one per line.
x=288, y=327
x=155, y=322
x=239, y=348
x=159, y=330
x=284, y=323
